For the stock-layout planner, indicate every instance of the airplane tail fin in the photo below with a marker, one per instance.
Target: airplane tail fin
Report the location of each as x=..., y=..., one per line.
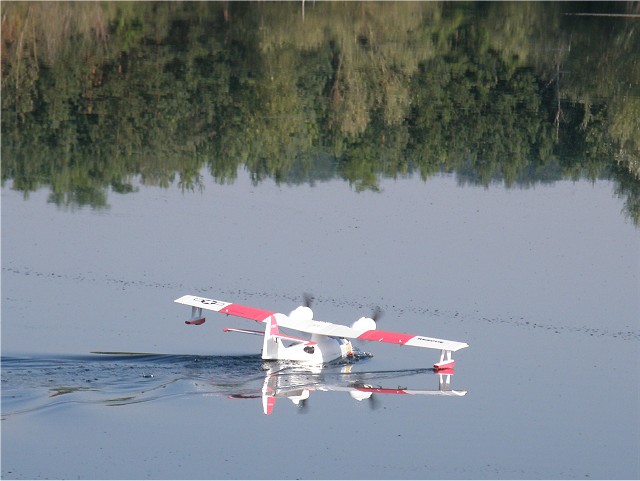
x=268, y=402
x=271, y=343
x=269, y=394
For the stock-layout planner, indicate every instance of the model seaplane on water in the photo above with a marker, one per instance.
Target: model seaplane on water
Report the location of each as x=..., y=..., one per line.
x=328, y=342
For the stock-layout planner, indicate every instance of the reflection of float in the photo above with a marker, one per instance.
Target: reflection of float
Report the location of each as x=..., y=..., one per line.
x=328, y=341
x=297, y=383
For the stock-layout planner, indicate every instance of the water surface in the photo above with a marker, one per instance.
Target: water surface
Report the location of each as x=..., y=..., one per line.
x=521, y=275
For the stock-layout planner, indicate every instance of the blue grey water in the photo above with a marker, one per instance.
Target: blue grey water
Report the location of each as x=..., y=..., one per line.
x=543, y=283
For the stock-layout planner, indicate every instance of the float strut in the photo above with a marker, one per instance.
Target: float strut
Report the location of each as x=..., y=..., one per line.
x=446, y=362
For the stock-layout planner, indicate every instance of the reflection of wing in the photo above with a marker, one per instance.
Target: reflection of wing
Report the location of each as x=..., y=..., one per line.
x=380, y=390
x=318, y=327
x=298, y=385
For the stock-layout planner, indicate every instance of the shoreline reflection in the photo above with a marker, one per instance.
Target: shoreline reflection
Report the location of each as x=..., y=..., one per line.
x=157, y=92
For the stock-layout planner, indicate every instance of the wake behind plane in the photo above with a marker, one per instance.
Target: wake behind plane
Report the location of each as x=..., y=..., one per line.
x=328, y=341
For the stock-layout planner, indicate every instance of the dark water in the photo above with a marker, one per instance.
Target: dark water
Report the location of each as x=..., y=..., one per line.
x=470, y=169
x=117, y=379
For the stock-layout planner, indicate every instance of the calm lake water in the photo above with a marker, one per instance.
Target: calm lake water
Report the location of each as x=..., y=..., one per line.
x=471, y=169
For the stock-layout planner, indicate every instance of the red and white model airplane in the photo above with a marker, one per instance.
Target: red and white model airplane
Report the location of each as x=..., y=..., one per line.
x=328, y=341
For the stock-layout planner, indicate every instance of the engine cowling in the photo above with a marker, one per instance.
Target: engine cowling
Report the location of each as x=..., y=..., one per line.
x=302, y=313
x=364, y=324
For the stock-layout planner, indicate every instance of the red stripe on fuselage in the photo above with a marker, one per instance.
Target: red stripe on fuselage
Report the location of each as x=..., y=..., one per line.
x=273, y=326
x=385, y=336
x=247, y=312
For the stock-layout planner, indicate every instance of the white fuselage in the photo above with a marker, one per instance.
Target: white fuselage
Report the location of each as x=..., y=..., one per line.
x=325, y=349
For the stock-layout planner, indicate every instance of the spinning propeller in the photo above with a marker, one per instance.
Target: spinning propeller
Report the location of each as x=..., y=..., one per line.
x=303, y=406
x=374, y=403
x=377, y=313
x=308, y=299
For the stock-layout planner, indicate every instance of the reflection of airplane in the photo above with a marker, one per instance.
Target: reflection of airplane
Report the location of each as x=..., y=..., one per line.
x=297, y=384
x=328, y=341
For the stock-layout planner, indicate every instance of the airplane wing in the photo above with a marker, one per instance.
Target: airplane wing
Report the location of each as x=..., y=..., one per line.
x=337, y=330
x=320, y=327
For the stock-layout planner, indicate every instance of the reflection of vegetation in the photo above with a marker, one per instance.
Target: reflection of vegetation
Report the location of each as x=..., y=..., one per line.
x=97, y=93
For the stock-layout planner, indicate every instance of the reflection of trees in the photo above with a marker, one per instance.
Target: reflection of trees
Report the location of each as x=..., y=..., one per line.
x=490, y=119
x=94, y=94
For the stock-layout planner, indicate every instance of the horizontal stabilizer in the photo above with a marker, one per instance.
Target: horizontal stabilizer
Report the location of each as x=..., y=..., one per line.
x=244, y=331
x=307, y=342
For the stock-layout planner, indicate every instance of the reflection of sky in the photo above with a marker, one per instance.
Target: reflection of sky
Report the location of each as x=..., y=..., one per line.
x=543, y=284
